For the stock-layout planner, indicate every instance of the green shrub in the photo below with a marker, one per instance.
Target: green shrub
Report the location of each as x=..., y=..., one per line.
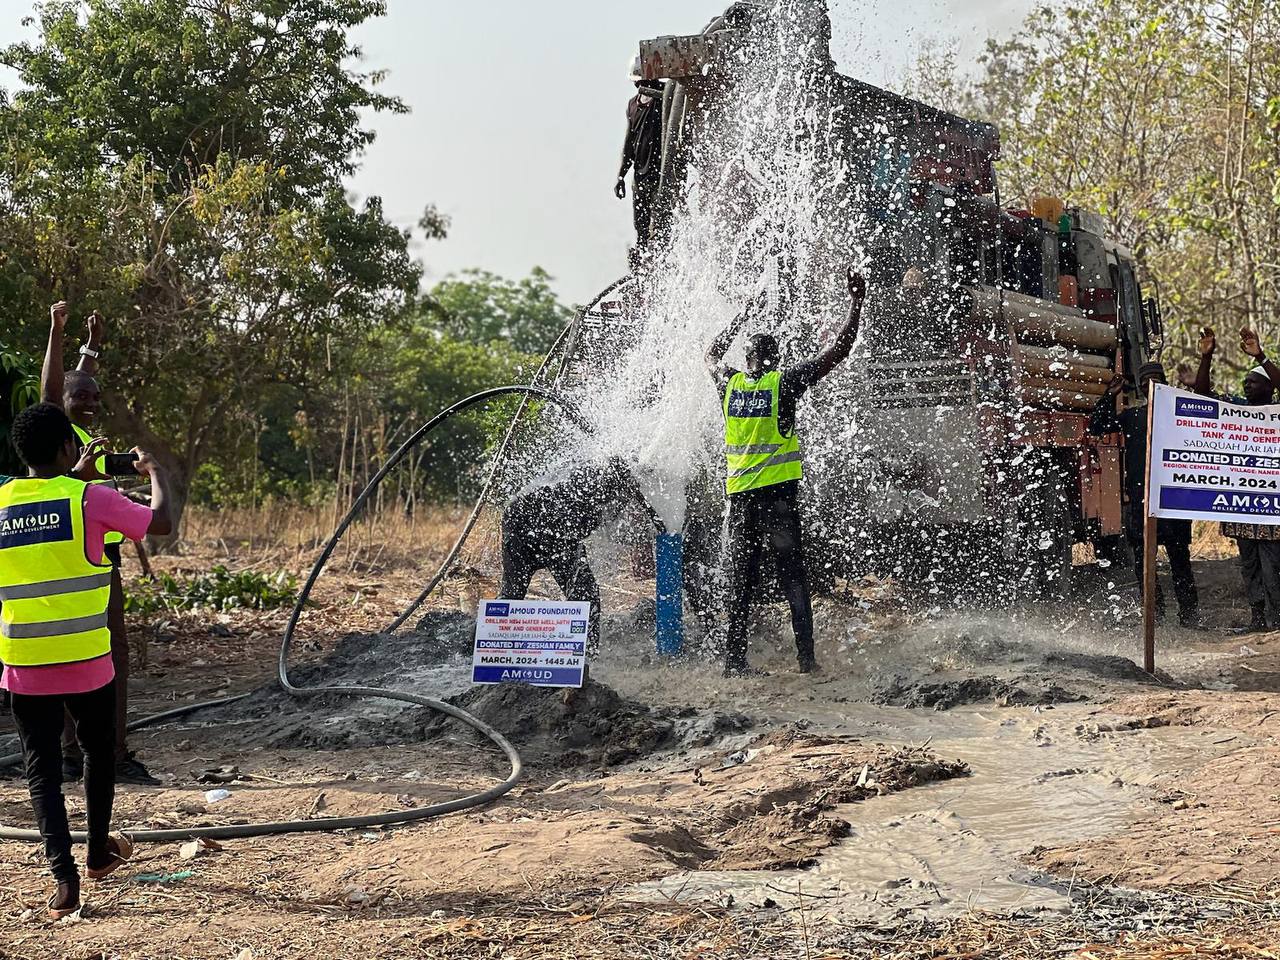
x=219, y=589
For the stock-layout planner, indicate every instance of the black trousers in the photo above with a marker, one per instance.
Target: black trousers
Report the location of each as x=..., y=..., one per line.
x=1175, y=537
x=119, y=660
x=523, y=556
x=644, y=192
x=1260, y=570
x=766, y=518
x=39, y=722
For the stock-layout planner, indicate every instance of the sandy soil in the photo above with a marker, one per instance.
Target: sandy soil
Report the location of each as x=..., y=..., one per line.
x=672, y=813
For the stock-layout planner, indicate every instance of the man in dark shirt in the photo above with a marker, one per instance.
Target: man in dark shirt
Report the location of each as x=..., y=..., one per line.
x=763, y=484
x=1173, y=535
x=1258, y=543
x=642, y=153
x=546, y=529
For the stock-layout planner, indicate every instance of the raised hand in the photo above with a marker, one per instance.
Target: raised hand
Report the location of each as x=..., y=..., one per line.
x=1116, y=385
x=620, y=188
x=1208, y=342
x=86, y=467
x=146, y=464
x=58, y=314
x=97, y=330
x=857, y=286
x=1249, y=342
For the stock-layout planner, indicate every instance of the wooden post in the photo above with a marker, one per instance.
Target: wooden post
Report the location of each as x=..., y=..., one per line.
x=1149, y=547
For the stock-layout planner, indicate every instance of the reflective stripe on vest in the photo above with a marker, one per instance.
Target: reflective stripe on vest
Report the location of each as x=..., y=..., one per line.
x=83, y=435
x=53, y=601
x=757, y=453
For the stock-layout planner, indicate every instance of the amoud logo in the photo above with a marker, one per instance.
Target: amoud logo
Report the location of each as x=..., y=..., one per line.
x=750, y=403
x=497, y=609
x=1194, y=407
x=24, y=524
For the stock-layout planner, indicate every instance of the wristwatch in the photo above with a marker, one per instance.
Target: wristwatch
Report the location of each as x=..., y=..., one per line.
x=85, y=351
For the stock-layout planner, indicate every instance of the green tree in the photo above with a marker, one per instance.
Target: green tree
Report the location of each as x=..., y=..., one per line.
x=180, y=165
x=19, y=388
x=480, y=306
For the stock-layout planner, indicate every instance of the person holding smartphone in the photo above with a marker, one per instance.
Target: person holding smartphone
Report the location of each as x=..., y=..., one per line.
x=55, y=641
x=79, y=395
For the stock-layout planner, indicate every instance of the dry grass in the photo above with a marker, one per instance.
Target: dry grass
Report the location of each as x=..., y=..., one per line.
x=284, y=530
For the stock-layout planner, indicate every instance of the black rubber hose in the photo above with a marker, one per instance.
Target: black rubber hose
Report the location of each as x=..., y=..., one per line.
x=234, y=831
x=566, y=345
x=499, y=458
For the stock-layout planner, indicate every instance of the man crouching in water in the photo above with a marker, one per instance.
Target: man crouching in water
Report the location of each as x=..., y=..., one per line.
x=763, y=470
x=546, y=528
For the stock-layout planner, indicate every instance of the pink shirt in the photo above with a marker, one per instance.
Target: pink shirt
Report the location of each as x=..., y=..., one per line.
x=104, y=510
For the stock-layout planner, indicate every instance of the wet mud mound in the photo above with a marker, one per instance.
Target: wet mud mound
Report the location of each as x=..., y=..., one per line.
x=772, y=806
x=591, y=726
x=946, y=694
x=426, y=658
x=996, y=672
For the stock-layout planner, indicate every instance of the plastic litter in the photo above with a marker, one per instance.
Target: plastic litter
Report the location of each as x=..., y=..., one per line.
x=164, y=877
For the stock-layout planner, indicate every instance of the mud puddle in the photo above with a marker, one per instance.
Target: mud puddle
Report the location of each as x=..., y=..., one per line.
x=1038, y=778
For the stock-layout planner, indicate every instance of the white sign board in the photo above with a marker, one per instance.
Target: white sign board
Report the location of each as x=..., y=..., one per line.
x=540, y=642
x=1212, y=460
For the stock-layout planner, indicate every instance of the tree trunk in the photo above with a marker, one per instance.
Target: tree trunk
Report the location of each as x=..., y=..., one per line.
x=177, y=480
x=122, y=421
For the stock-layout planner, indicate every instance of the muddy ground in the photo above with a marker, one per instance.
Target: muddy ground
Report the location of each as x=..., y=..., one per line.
x=990, y=784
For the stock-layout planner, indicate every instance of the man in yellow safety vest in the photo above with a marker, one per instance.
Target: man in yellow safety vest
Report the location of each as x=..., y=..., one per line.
x=763, y=469
x=77, y=392
x=55, y=644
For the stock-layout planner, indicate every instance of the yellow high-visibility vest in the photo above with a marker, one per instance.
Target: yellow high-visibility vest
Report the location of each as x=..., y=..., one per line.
x=53, y=601
x=111, y=536
x=757, y=453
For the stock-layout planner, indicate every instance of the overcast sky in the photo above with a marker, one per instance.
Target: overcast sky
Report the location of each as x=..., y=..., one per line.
x=517, y=114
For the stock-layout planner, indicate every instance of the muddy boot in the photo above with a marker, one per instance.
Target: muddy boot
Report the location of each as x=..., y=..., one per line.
x=808, y=663
x=1190, y=620
x=1257, y=619
x=65, y=900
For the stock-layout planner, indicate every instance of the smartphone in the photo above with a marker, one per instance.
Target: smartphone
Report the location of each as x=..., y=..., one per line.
x=120, y=464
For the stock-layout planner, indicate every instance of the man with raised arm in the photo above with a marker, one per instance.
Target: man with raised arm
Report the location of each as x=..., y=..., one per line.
x=1259, y=543
x=763, y=465
x=77, y=393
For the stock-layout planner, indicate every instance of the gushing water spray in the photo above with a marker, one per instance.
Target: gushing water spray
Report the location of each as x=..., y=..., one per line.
x=765, y=209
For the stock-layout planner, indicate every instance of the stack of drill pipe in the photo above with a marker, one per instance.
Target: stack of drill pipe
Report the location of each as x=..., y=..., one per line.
x=1073, y=372
x=1042, y=322
x=1063, y=369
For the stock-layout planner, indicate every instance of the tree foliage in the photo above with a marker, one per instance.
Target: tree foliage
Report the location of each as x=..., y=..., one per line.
x=19, y=388
x=480, y=306
x=179, y=165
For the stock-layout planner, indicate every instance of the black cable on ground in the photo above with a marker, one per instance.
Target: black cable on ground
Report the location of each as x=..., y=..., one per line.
x=234, y=831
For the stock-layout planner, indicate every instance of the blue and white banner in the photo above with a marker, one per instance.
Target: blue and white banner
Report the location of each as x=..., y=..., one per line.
x=1212, y=460
x=540, y=642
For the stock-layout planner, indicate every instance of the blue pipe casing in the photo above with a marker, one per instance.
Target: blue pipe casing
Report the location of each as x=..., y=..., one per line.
x=669, y=591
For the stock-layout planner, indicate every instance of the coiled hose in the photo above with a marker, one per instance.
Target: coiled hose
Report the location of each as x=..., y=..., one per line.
x=234, y=831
